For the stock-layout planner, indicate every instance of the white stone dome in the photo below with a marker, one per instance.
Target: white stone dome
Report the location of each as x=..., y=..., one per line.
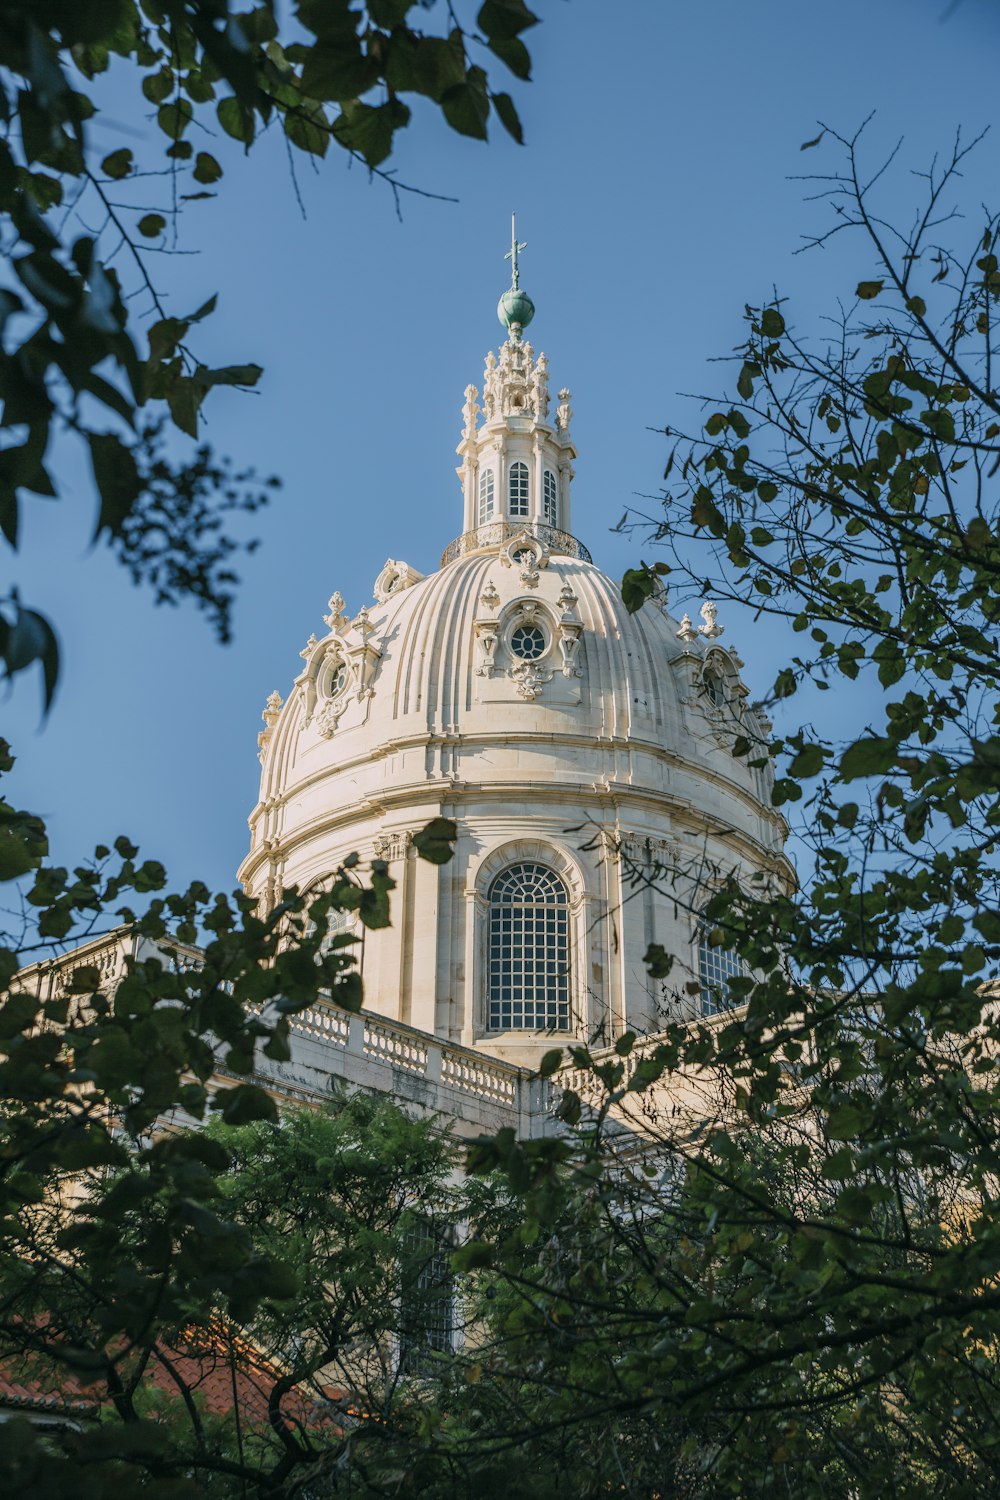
x=574, y=744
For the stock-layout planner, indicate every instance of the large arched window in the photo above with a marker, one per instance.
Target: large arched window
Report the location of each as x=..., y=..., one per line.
x=529, y=950
x=717, y=965
x=485, y=495
x=517, y=490
x=550, y=499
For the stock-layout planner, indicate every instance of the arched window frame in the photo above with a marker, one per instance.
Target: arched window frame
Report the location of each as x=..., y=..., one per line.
x=717, y=965
x=528, y=976
x=481, y=876
x=487, y=496
x=336, y=677
x=550, y=498
x=518, y=491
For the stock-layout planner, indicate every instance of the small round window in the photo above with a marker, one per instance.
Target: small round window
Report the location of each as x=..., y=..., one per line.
x=528, y=642
x=338, y=679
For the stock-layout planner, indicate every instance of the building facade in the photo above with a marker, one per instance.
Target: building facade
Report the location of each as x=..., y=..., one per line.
x=584, y=753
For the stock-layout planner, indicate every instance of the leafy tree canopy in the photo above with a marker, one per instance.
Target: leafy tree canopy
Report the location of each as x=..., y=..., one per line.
x=823, y=1314
x=75, y=361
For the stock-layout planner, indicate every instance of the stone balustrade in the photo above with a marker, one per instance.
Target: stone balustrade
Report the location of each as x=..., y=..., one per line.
x=331, y=1046
x=363, y=1050
x=495, y=533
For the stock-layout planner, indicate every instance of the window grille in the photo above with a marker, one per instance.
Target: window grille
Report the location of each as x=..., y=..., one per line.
x=485, y=495
x=336, y=923
x=338, y=679
x=529, y=950
x=427, y=1298
x=528, y=642
x=717, y=965
x=550, y=499
x=517, y=490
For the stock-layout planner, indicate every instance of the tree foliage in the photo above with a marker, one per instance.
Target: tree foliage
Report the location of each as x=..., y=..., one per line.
x=116, y=1231
x=75, y=362
x=825, y=1317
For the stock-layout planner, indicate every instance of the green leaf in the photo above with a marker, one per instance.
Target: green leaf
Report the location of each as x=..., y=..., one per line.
x=236, y=120
x=434, y=842
x=331, y=71
x=513, y=52
x=807, y=763
x=152, y=225
x=368, y=129
x=206, y=168
x=658, y=961
x=551, y=1062
x=509, y=119
x=638, y=585
x=309, y=130
x=467, y=107
x=772, y=324
x=158, y=86
x=868, y=757
x=117, y=479
x=389, y=13
x=505, y=18
x=174, y=118
x=23, y=842
x=28, y=640
x=245, y=375
x=430, y=65
x=118, y=164
x=244, y=1103
x=866, y=290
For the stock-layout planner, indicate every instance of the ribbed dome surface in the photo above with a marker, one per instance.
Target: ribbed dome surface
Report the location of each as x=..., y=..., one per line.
x=613, y=699
x=429, y=656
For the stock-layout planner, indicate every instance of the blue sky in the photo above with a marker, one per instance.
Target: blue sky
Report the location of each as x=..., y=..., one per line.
x=656, y=198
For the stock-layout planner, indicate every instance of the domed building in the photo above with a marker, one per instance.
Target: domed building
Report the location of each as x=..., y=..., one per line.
x=577, y=747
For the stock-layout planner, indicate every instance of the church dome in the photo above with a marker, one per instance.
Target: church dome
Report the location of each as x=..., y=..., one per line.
x=584, y=753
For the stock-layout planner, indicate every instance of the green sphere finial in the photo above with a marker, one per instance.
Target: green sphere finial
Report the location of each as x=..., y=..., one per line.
x=515, y=308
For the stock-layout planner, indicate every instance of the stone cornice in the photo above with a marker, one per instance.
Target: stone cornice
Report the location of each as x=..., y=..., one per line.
x=446, y=740
x=444, y=797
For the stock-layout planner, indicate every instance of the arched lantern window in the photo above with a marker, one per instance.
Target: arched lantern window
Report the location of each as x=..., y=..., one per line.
x=517, y=490
x=550, y=499
x=528, y=950
x=486, y=493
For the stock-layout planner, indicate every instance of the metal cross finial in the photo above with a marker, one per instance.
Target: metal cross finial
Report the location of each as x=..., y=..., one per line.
x=511, y=255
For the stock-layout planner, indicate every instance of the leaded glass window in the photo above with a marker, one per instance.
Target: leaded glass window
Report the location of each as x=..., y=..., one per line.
x=528, y=642
x=550, y=499
x=485, y=495
x=717, y=965
x=517, y=490
x=529, y=950
x=337, y=922
x=427, y=1298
